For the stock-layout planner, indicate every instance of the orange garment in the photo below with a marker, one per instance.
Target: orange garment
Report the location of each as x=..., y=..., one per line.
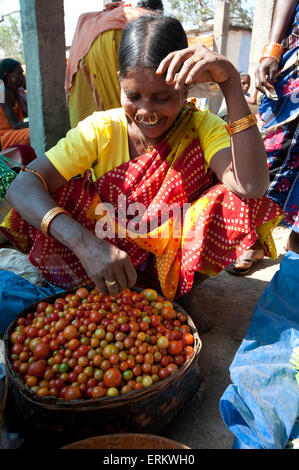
x=10, y=137
x=90, y=26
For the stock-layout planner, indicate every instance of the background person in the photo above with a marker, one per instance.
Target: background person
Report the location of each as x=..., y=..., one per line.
x=13, y=129
x=91, y=75
x=156, y=150
x=277, y=78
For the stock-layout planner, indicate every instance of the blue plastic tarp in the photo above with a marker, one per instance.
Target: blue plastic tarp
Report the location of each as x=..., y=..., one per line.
x=16, y=293
x=261, y=405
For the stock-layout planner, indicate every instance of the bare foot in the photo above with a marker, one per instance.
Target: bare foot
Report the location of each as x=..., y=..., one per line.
x=191, y=303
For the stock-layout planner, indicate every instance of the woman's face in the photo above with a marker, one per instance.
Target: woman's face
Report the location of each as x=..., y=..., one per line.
x=16, y=78
x=146, y=93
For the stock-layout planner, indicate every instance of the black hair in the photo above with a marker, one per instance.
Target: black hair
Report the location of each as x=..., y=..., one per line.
x=7, y=66
x=147, y=40
x=151, y=4
x=244, y=74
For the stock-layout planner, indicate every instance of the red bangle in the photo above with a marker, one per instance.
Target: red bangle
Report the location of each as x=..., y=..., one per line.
x=272, y=50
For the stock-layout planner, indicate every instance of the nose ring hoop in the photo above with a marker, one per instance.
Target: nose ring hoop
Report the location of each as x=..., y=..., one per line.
x=153, y=122
x=138, y=118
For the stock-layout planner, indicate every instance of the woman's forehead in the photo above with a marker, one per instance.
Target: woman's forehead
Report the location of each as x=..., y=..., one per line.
x=146, y=77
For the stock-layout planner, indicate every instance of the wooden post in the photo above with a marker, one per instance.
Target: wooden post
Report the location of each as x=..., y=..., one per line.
x=221, y=28
x=262, y=23
x=44, y=49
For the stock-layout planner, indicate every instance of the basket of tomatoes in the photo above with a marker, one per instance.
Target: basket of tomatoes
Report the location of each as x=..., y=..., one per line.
x=82, y=363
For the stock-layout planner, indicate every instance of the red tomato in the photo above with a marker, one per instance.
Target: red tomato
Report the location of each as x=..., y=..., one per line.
x=98, y=392
x=188, y=338
x=42, y=351
x=60, y=324
x=37, y=368
x=31, y=331
x=41, y=307
x=70, y=332
x=188, y=350
x=95, y=317
x=168, y=313
x=171, y=367
x=59, y=303
x=72, y=393
x=83, y=350
x=155, y=320
x=175, y=347
x=17, y=348
x=163, y=373
x=82, y=293
x=112, y=378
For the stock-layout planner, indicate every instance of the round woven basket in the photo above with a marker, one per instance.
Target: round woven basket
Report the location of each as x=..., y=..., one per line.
x=126, y=441
x=147, y=410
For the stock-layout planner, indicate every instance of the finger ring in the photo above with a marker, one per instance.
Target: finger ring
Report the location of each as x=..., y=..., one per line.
x=110, y=283
x=196, y=58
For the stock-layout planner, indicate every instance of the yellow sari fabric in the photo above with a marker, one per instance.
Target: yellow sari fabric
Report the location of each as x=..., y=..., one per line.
x=95, y=86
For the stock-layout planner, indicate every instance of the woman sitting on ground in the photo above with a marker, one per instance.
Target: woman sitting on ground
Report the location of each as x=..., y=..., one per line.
x=157, y=152
x=13, y=129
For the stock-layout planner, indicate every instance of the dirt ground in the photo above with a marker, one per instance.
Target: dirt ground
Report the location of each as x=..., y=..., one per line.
x=229, y=301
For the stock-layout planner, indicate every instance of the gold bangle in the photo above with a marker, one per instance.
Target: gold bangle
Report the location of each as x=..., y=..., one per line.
x=48, y=218
x=24, y=168
x=273, y=50
x=241, y=124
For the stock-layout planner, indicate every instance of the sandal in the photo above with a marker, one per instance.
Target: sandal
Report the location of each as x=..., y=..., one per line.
x=231, y=269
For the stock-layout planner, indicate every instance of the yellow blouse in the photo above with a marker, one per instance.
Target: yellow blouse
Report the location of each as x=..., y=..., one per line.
x=100, y=142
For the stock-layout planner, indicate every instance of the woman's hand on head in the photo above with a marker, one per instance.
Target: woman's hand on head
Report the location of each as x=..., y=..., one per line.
x=196, y=64
x=265, y=74
x=105, y=262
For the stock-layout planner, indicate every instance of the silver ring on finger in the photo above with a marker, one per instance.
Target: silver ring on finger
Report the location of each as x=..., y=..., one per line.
x=110, y=283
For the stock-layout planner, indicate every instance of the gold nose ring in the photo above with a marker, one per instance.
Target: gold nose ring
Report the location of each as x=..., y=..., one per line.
x=153, y=122
x=138, y=118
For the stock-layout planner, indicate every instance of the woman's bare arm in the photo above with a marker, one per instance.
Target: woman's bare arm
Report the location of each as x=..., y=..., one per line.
x=243, y=168
x=101, y=260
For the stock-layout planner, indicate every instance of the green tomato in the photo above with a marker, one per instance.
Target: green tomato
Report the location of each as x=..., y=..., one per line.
x=63, y=367
x=112, y=392
x=127, y=375
x=150, y=294
x=147, y=381
x=162, y=342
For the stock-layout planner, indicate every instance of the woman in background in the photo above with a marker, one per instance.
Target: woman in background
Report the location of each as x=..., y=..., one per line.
x=13, y=130
x=277, y=78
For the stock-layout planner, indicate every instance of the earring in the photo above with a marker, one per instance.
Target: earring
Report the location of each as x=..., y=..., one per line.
x=138, y=118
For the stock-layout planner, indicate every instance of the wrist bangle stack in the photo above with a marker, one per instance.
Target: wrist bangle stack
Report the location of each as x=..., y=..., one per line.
x=24, y=168
x=48, y=218
x=241, y=124
x=272, y=50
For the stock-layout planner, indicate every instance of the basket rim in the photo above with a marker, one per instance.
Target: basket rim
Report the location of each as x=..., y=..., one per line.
x=93, y=403
x=121, y=435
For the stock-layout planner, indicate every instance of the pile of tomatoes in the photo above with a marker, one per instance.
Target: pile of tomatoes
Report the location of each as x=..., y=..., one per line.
x=89, y=345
